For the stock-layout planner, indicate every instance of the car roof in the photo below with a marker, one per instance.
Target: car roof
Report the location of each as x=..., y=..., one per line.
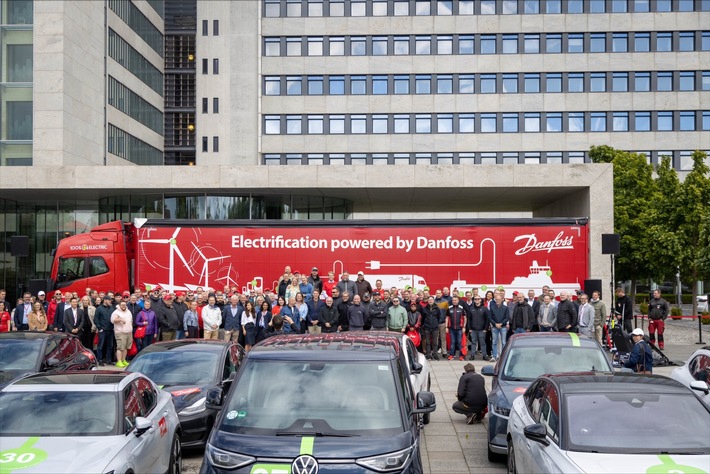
x=340, y=346
x=83, y=380
x=535, y=339
x=197, y=345
x=33, y=335
x=589, y=382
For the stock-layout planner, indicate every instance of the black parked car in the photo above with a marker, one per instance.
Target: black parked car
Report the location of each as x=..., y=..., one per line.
x=187, y=369
x=25, y=352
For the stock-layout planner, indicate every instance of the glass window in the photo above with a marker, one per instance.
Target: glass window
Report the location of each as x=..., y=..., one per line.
x=686, y=81
x=532, y=122
x=620, y=82
x=358, y=124
x=293, y=85
x=205, y=27
x=336, y=7
x=705, y=38
x=620, y=42
x=532, y=44
x=706, y=120
x=401, y=123
x=575, y=82
x=336, y=85
x=685, y=5
x=553, y=43
x=510, y=7
x=465, y=7
x=488, y=159
x=575, y=6
x=553, y=6
x=272, y=125
x=466, y=44
x=664, y=81
x=687, y=120
x=574, y=157
x=444, y=84
x=401, y=45
x=488, y=44
x=422, y=44
x=293, y=8
x=597, y=43
x=466, y=123
x=293, y=46
x=358, y=85
x=315, y=8
x=401, y=84
x=532, y=83
x=315, y=85
x=488, y=7
x=401, y=7
x=272, y=47
x=619, y=6
x=705, y=81
x=205, y=143
x=315, y=124
x=272, y=85
x=336, y=46
x=444, y=44
x=205, y=105
x=663, y=5
x=422, y=84
x=597, y=82
x=488, y=83
x=664, y=41
x=445, y=123
x=575, y=122
x=665, y=121
x=467, y=83
x=510, y=123
x=620, y=121
x=358, y=7
x=315, y=46
x=358, y=46
x=293, y=124
x=575, y=43
x=598, y=122
x=642, y=81
x=641, y=6
x=423, y=123
x=597, y=6
x=422, y=7
x=510, y=158
x=379, y=8
x=488, y=123
x=272, y=8
x=642, y=42
x=686, y=41
x=510, y=44
x=215, y=66
x=510, y=83
x=444, y=7
x=642, y=121
x=532, y=7
x=379, y=46
x=379, y=124
x=336, y=124
x=553, y=82
x=379, y=85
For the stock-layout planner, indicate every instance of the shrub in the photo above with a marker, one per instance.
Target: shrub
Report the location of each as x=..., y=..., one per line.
x=643, y=307
x=676, y=312
x=705, y=317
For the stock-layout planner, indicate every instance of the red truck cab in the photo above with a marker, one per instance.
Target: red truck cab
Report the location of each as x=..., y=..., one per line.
x=101, y=259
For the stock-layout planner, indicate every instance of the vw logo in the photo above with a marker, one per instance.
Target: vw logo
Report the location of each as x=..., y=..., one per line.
x=304, y=465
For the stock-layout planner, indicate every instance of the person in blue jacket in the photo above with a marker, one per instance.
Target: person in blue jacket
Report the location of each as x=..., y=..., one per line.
x=641, y=357
x=499, y=318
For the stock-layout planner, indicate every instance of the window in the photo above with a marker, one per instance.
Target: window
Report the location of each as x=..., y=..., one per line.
x=686, y=41
x=272, y=85
x=553, y=43
x=215, y=105
x=488, y=7
x=664, y=41
x=686, y=81
x=705, y=38
x=510, y=158
x=620, y=82
x=642, y=121
x=131, y=408
x=358, y=46
x=510, y=44
x=444, y=84
x=466, y=123
x=532, y=44
x=687, y=121
x=444, y=44
x=575, y=43
x=401, y=123
x=642, y=42
x=401, y=85
x=272, y=8
x=488, y=123
x=379, y=85
x=488, y=83
x=532, y=122
x=575, y=82
x=205, y=27
x=705, y=120
x=315, y=85
x=293, y=124
x=597, y=6
x=575, y=122
x=664, y=81
x=705, y=81
x=336, y=124
x=293, y=85
x=422, y=44
x=401, y=45
x=336, y=85
x=422, y=84
x=685, y=5
x=379, y=46
x=510, y=83
x=575, y=157
x=358, y=85
x=401, y=7
x=663, y=5
x=641, y=6
x=467, y=83
x=444, y=7
x=205, y=144
x=315, y=46
x=598, y=122
x=215, y=28
x=379, y=8
x=510, y=7
x=422, y=7
x=553, y=82
x=422, y=123
x=358, y=7
x=293, y=46
x=465, y=7
x=215, y=66
x=272, y=125
x=620, y=42
x=315, y=8
x=445, y=123
x=642, y=81
x=293, y=8
x=336, y=46
x=147, y=394
x=665, y=121
x=205, y=66
x=336, y=7
x=597, y=82
x=575, y=6
x=619, y=6
x=379, y=124
x=488, y=44
x=532, y=7
x=215, y=144
x=597, y=43
x=553, y=6
x=358, y=124
x=510, y=123
x=466, y=44
x=205, y=105
x=620, y=121
x=532, y=83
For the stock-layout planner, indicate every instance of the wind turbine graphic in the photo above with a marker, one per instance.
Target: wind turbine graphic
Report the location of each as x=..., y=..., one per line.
x=206, y=265
x=227, y=278
x=172, y=241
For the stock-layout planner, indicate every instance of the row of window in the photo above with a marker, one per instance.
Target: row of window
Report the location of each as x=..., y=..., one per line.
x=133, y=17
x=682, y=159
x=506, y=83
x=158, y=6
x=206, y=66
x=205, y=144
x=206, y=105
x=514, y=43
x=206, y=28
x=128, y=147
x=133, y=105
x=505, y=122
x=127, y=56
x=357, y=8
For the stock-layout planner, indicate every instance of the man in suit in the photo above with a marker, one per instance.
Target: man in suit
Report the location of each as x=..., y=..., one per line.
x=62, y=308
x=74, y=318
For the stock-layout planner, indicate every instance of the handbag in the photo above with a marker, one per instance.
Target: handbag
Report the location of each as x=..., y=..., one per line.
x=413, y=334
x=140, y=332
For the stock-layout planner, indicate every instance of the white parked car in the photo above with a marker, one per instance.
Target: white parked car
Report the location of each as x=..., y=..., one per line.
x=88, y=422
x=696, y=369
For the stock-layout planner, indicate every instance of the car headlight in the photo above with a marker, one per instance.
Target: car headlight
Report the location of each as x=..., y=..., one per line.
x=501, y=410
x=197, y=407
x=386, y=462
x=227, y=460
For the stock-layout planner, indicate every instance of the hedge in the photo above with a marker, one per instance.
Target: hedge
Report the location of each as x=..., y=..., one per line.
x=686, y=299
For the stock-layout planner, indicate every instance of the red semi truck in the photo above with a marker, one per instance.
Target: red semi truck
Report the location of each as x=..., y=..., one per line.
x=517, y=255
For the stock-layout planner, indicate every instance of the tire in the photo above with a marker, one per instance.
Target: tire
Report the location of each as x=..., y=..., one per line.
x=512, y=469
x=175, y=466
x=494, y=457
x=426, y=418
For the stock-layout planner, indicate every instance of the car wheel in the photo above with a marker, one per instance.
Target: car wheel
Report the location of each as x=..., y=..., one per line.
x=511, y=458
x=175, y=456
x=428, y=383
x=494, y=457
x=426, y=418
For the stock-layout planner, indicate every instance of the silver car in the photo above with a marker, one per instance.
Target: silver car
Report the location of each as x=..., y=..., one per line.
x=88, y=422
x=694, y=372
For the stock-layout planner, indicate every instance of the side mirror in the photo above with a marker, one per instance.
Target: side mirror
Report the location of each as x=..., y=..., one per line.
x=426, y=403
x=416, y=368
x=488, y=370
x=700, y=386
x=142, y=425
x=537, y=432
x=214, y=398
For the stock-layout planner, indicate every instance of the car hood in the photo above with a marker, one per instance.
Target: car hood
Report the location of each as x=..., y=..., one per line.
x=185, y=395
x=639, y=463
x=513, y=389
x=52, y=454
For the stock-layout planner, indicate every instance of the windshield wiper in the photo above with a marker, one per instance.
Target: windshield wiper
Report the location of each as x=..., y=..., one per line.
x=317, y=434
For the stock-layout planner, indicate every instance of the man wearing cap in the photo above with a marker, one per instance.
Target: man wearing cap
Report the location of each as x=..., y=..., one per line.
x=102, y=321
x=641, y=357
x=471, y=395
x=168, y=319
x=363, y=286
x=315, y=280
x=377, y=314
x=42, y=299
x=345, y=285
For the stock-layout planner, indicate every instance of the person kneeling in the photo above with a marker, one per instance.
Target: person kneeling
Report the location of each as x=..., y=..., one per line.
x=471, y=394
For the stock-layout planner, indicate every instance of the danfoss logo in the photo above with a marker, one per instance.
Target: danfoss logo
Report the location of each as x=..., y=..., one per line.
x=561, y=242
x=86, y=247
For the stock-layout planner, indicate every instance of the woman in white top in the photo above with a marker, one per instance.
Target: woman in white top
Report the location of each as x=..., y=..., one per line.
x=249, y=325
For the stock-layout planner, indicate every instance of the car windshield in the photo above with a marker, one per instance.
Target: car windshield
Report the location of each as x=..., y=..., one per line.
x=19, y=354
x=58, y=413
x=289, y=398
x=637, y=423
x=528, y=363
x=169, y=368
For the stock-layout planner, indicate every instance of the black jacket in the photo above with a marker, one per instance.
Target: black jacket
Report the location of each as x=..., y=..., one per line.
x=472, y=391
x=625, y=306
x=479, y=318
x=343, y=314
x=432, y=316
x=167, y=317
x=527, y=316
x=377, y=316
x=566, y=315
x=328, y=314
